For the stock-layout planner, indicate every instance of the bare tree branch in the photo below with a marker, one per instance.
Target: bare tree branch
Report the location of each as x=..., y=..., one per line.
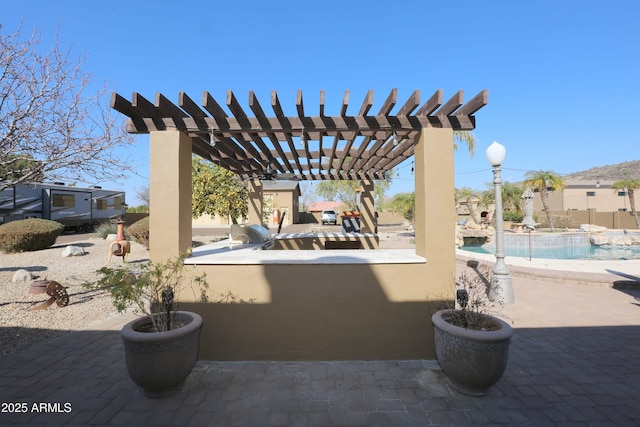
x=50, y=119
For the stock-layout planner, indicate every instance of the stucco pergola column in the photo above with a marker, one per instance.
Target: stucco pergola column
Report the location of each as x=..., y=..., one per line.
x=367, y=207
x=434, y=198
x=169, y=194
x=255, y=202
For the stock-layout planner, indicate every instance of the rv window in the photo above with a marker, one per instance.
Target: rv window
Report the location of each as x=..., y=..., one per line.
x=117, y=203
x=64, y=200
x=101, y=204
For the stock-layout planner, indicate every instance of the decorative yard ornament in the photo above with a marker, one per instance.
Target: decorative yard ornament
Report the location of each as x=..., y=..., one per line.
x=120, y=246
x=52, y=288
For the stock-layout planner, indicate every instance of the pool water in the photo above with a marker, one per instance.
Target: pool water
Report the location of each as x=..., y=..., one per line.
x=564, y=252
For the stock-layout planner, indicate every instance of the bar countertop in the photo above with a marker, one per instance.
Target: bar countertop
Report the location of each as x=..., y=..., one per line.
x=226, y=252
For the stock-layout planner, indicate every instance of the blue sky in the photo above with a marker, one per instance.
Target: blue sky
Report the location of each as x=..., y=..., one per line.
x=563, y=76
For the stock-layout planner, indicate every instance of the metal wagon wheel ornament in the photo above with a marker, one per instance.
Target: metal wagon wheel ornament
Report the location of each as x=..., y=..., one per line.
x=52, y=288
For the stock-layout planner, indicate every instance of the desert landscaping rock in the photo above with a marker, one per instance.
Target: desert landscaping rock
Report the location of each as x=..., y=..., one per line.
x=21, y=276
x=72, y=250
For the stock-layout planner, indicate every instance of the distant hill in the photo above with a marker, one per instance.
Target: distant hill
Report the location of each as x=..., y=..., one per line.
x=624, y=170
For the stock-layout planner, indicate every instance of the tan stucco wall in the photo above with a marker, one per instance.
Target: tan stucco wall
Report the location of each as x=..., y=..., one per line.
x=284, y=201
x=316, y=311
x=169, y=194
x=254, y=216
x=321, y=312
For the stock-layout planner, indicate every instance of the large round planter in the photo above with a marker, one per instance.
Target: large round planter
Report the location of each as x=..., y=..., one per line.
x=472, y=360
x=159, y=362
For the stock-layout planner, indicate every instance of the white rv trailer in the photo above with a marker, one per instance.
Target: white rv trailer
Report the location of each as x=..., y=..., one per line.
x=76, y=208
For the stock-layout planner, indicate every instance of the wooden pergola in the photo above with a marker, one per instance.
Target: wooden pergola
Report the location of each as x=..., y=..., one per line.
x=343, y=147
x=297, y=314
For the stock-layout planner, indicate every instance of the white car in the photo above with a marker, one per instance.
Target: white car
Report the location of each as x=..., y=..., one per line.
x=329, y=217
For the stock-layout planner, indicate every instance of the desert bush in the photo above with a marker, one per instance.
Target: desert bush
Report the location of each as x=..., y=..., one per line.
x=105, y=229
x=31, y=234
x=139, y=231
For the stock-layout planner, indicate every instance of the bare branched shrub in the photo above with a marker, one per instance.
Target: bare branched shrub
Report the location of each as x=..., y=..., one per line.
x=474, y=308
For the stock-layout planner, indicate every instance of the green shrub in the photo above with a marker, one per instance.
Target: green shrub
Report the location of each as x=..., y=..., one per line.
x=514, y=216
x=139, y=231
x=29, y=235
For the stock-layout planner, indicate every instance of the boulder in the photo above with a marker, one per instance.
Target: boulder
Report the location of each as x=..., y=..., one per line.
x=590, y=228
x=599, y=239
x=72, y=251
x=21, y=276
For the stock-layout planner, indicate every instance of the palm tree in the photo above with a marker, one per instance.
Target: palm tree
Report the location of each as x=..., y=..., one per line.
x=542, y=181
x=629, y=185
x=462, y=194
x=512, y=196
x=465, y=137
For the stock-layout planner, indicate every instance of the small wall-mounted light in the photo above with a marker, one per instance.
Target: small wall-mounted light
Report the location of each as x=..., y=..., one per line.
x=212, y=138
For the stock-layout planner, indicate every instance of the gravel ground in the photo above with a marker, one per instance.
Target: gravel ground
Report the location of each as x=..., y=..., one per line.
x=20, y=326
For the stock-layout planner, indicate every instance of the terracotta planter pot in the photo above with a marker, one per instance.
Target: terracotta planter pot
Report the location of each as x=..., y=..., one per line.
x=473, y=360
x=159, y=362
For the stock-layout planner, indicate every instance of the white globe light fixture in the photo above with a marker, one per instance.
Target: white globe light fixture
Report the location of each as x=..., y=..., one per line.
x=501, y=286
x=495, y=153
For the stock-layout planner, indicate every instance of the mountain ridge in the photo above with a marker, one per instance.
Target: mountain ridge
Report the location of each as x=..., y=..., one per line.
x=616, y=172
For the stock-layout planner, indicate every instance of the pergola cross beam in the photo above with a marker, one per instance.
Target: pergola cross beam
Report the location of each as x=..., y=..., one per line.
x=362, y=146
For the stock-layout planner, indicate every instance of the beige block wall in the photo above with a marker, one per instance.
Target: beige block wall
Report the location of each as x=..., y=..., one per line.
x=611, y=220
x=604, y=200
x=321, y=312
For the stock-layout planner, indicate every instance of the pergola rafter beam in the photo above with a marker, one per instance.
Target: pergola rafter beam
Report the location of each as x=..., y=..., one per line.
x=362, y=145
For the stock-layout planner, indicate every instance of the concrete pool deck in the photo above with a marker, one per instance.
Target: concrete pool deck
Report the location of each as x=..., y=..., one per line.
x=567, y=270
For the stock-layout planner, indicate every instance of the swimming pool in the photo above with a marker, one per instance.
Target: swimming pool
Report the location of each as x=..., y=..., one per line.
x=557, y=246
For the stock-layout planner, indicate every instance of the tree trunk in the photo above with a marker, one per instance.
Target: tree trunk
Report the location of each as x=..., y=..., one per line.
x=473, y=210
x=545, y=204
x=632, y=202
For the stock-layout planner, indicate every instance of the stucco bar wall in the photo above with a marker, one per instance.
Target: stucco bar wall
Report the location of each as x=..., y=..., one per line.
x=290, y=310
x=169, y=194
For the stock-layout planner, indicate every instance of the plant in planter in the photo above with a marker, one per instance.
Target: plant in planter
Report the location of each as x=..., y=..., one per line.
x=161, y=347
x=472, y=346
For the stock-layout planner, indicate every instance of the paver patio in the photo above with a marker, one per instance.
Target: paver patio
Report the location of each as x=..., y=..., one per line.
x=574, y=361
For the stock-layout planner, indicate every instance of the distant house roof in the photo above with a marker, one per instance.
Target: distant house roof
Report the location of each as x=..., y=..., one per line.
x=588, y=183
x=323, y=206
x=281, y=185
